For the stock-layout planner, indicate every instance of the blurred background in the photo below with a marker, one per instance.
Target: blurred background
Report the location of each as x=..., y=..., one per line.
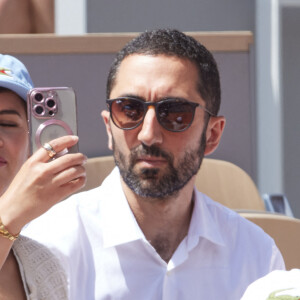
x=260, y=85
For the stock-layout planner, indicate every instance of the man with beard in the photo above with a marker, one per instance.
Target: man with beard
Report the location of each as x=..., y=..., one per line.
x=147, y=233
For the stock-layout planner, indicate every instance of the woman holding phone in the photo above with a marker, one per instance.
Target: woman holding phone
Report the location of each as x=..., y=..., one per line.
x=28, y=188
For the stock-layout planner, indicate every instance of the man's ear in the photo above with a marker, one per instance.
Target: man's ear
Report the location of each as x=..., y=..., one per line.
x=106, y=119
x=214, y=132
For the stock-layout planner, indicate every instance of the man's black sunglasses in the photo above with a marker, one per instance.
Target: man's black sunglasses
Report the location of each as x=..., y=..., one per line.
x=173, y=114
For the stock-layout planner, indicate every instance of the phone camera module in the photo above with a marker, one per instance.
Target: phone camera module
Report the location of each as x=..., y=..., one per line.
x=38, y=97
x=39, y=110
x=50, y=103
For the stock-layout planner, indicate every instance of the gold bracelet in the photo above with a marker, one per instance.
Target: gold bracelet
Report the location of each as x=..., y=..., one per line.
x=4, y=232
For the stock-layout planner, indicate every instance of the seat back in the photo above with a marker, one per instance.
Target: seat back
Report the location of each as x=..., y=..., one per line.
x=222, y=181
x=97, y=168
x=228, y=184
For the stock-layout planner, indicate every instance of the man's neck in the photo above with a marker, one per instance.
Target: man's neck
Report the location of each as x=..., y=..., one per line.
x=164, y=222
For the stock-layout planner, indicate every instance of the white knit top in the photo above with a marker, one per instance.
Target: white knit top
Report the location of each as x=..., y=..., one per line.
x=42, y=274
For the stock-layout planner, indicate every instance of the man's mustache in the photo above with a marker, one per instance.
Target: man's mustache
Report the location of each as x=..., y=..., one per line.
x=153, y=150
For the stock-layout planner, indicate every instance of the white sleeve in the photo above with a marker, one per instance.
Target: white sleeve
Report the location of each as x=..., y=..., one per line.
x=277, y=261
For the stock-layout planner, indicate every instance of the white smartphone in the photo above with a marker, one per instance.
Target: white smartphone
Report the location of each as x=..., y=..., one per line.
x=52, y=113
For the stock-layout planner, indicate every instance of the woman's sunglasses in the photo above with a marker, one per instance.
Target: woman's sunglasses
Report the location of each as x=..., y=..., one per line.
x=172, y=114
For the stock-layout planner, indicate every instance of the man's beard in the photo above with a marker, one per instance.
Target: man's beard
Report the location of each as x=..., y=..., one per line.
x=159, y=183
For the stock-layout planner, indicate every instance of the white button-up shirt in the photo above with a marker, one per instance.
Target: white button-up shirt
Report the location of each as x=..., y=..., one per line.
x=108, y=257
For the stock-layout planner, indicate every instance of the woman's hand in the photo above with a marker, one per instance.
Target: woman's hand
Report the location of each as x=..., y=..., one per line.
x=41, y=183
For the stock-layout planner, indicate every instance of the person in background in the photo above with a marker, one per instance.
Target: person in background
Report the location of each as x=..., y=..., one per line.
x=28, y=187
x=146, y=232
x=26, y=16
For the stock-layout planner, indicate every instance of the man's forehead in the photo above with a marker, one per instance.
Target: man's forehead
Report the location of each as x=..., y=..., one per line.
x=138, y=62
x=156, y=77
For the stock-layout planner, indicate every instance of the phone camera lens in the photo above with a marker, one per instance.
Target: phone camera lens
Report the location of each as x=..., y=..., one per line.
x=38, y=97
x=50, y=103
x=39, y=110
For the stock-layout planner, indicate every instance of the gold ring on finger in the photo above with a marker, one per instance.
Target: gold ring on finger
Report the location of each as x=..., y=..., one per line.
x=51, y=152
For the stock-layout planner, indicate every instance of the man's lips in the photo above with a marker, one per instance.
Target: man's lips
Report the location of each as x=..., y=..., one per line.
x=151, y=161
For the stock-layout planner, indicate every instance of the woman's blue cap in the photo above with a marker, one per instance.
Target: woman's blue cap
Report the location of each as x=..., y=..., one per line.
x=14, y=76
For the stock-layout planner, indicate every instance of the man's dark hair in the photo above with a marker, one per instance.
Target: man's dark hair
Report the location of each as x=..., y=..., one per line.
x=172, y=42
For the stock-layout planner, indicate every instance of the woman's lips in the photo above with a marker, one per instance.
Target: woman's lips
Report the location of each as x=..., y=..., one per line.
x=3, y=162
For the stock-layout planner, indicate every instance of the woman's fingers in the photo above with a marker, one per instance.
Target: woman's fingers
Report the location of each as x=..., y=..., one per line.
x=72, y=186
x=68, y=175
x=66, y=161
x=55, y=146
x=57, y=174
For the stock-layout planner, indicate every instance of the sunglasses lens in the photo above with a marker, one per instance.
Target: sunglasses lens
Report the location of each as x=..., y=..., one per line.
x=175, y=116
x=127, y=113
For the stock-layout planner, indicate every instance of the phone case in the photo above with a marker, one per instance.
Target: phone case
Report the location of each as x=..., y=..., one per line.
x=51, y=114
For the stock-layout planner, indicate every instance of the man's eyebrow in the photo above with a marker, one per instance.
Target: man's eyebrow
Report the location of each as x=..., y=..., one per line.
x=160, y=99
x=9, y=112
x=132, y=96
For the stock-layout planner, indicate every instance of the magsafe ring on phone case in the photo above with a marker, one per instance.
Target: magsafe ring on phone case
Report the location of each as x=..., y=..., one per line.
x=43, y=126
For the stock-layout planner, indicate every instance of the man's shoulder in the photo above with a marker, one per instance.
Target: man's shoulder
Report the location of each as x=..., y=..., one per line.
x=243, y=239
x=63, y=218
x=226, y=219
x=90, y=199
x=75, y=203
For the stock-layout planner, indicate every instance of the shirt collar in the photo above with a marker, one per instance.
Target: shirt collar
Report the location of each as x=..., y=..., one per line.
x=119, y=223
x=203, y=224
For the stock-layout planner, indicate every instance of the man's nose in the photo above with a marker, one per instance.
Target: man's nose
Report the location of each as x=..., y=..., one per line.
x=150, y=132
